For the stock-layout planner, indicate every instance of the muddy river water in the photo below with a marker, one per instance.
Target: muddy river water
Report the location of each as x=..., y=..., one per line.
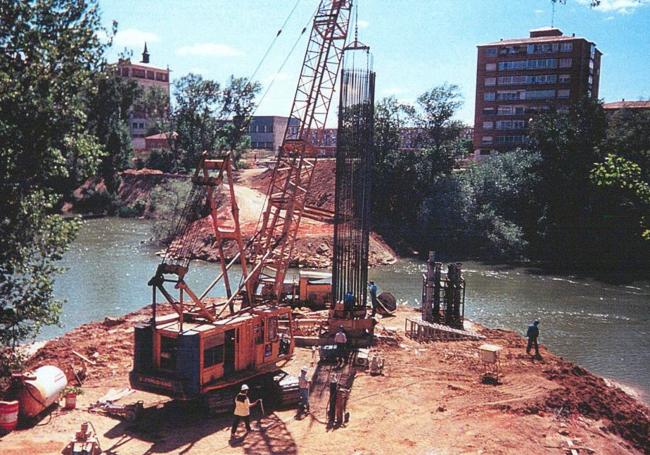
x=603, y=327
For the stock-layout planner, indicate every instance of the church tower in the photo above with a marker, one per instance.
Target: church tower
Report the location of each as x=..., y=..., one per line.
x=145, y=54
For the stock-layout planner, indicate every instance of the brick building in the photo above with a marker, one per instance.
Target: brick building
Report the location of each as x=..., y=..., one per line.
x=632, y=106
x=517, y=78
x=147, y=76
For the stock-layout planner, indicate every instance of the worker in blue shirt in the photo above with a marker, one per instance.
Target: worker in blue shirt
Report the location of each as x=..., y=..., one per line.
x=372, y=287
x=533, y=334
x=348, y=304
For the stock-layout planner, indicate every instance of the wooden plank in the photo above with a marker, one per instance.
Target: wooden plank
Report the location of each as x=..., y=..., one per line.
x=84, y=358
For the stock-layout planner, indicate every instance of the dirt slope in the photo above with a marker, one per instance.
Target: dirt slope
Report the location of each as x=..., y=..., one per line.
x=429, y=400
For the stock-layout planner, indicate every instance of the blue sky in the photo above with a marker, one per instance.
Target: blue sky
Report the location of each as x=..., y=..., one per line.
x=417, y=44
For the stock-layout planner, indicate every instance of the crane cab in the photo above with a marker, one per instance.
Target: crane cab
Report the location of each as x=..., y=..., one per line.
x=186, y=358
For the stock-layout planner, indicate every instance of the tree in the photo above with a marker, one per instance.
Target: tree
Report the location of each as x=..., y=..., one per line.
x=624, y=181
x=568, y=143
x=438, y=132
x=154, y=103
x=239, y=103
x=503, y=202
x=398, y=176
x=51, y=49
x=108, y=119
x=207, y=117
x=628, y=135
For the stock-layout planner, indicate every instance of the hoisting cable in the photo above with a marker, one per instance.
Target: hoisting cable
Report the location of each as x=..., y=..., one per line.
x=267, y=199
x=268, y=49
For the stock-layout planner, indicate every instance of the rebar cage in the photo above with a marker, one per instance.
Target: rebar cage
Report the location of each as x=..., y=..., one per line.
x=354, y=161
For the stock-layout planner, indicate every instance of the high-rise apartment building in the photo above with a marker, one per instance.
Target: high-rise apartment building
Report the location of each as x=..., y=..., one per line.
x=517, y=78
x=147, y=76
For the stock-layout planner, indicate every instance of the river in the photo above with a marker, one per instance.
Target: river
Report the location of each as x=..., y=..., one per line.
x=603, y=327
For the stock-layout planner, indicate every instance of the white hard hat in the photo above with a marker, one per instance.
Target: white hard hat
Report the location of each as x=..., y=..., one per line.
x=244, y=387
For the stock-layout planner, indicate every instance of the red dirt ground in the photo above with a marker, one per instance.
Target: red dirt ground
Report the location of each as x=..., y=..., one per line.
x=429, y=401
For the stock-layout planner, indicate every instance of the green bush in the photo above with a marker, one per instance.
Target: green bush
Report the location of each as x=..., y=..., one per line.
x=161, y=159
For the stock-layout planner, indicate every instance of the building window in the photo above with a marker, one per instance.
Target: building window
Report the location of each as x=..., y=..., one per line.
x=488, y=125
x=511, y=124
x=491, y=52
x=566, y=47
x=565, y=63
x=489, y=81
x=544, y=48
x=125, y=72
x=484, y=152
x=138, y=73
x=505, y=110
x=151, y=75
x=563, y=109
x=511, y=95
x=565, y=78
x=488, y=111
x=141, y=125
x=488, y=96
x=134, y=125
x=513, y=80
x=541, y=63
x=512, y=50
x=486, y=140
x=540, y=94
x=510, y=66
x=543, y=79
x=564, y=93
x=511, y=139
x=490, y=67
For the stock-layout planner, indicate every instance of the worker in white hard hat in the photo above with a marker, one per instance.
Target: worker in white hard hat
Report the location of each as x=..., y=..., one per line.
x=303, y=387
x=242, y=410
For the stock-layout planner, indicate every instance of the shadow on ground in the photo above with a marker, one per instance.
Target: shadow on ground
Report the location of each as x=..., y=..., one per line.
x=177, y=427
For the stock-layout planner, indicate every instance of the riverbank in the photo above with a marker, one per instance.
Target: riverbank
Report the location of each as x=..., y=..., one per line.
x=430, y=400
x=314, y=244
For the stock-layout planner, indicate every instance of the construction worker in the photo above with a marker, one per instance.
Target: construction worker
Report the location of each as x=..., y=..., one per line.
x=303, y=386
x=341, y=341
x=372, y=287
x=242, y=410
x=348, y=304
x=533, y=334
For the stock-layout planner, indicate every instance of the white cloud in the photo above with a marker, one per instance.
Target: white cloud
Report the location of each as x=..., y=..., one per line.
x=539, y=11
x=363, y=24
x=609, y=18
x=134, y=38
x=617, y=6
x=208, y=49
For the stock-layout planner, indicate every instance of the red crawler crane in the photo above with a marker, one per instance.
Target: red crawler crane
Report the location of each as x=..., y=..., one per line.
x=197, y=350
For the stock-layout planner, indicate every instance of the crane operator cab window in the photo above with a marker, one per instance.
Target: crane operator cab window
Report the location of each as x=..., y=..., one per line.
x=213, y=350
x=271, y=335
x=167, y=353
x=284, y=330
x=259, y=332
